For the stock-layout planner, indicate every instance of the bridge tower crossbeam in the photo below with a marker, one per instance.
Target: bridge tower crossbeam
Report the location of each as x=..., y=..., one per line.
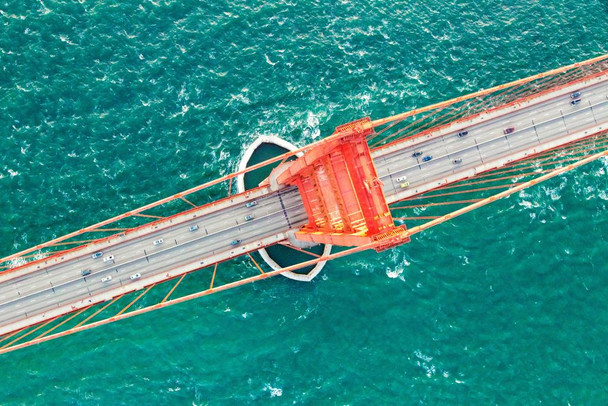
x=341, y=191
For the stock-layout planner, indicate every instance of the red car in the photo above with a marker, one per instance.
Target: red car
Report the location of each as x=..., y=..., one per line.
x=509, y=130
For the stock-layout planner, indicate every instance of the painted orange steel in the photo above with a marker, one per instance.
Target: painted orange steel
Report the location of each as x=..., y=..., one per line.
x=481, y=189
x=460, y=113
x=593, y=142
x=160, y=202
x=147, y=215
x=79, y=242
x=340, y=189
x=61, y=324
x=447, y=116
x=82, y=327
x=288, y=245
x=514, y=102
x=416, y=218
x=173, y=288
x=283, y=157
x=513, y=166
x=534, y=164
x=135, y=300
x=98, y=311
x=213, y=277
x=446, y=103
x=28, y=333
x=474, y=181
x=14, y=333
x=130, y=230
x=372, y=245
x=418, y=206
x=488, y=200
x=103, y=230
x=333, y=202
x=255, y=263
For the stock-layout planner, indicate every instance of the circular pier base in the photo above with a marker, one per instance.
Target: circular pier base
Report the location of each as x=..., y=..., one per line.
x=263, y=148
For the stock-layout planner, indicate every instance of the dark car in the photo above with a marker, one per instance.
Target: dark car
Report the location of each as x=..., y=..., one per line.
x=86, y=272
x=575, y=102
x=509, y=130
x=463, y=133
x=417, y=154
x=427, y=158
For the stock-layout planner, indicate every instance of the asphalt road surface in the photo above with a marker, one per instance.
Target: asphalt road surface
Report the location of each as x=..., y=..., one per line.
x=24, y=299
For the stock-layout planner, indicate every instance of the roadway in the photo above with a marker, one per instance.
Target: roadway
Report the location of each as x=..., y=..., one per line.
x=487, y=143
x=38, y=292
x=52, y=289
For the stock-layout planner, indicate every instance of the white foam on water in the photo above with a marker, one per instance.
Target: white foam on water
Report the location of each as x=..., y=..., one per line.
x=274, y=392
x=394, y=273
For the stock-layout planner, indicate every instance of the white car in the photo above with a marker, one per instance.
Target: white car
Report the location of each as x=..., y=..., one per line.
x=106, y=278
x=109, y=258
x=135, y=276
x=401, y=178
x=158, y=242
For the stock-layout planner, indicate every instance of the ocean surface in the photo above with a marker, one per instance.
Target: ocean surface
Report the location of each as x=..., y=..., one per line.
x=106, y=106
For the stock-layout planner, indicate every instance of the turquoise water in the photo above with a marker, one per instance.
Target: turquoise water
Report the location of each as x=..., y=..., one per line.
x=110, y=105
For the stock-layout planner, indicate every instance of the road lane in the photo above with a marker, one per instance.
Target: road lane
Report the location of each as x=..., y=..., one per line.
x=487, y=142
x=26, y=298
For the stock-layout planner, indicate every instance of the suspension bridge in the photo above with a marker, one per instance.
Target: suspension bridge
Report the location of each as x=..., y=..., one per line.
x=372, y=184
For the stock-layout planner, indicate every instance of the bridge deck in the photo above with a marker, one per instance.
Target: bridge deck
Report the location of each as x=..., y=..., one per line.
x=539, y=125
x=46, y=289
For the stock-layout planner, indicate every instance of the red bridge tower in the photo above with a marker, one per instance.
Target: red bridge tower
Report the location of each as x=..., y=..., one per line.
x=341, y=191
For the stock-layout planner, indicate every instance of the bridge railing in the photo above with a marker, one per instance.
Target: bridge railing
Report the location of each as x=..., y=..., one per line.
x=386, y=131
x=163, y=210
x=421, y=121
x=428, y=209
x=445, y=199
x=512, y=178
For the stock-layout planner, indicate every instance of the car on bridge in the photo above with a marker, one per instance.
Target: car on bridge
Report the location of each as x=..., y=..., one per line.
x=135, y=276
x=404, y=185
x=575, y=95
x=249, y=217
x=158, y=242
x=457, y=161
x=509, y=130
x=251, y=204
x=575, y=102
x=193, y=228
x=235, y=242
x=109, y=258
x=106, y=278
x=97, y=255
x=86, y=272
x=427, y=158
x=401, y=178
x=417, y=154
x=463, y=133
